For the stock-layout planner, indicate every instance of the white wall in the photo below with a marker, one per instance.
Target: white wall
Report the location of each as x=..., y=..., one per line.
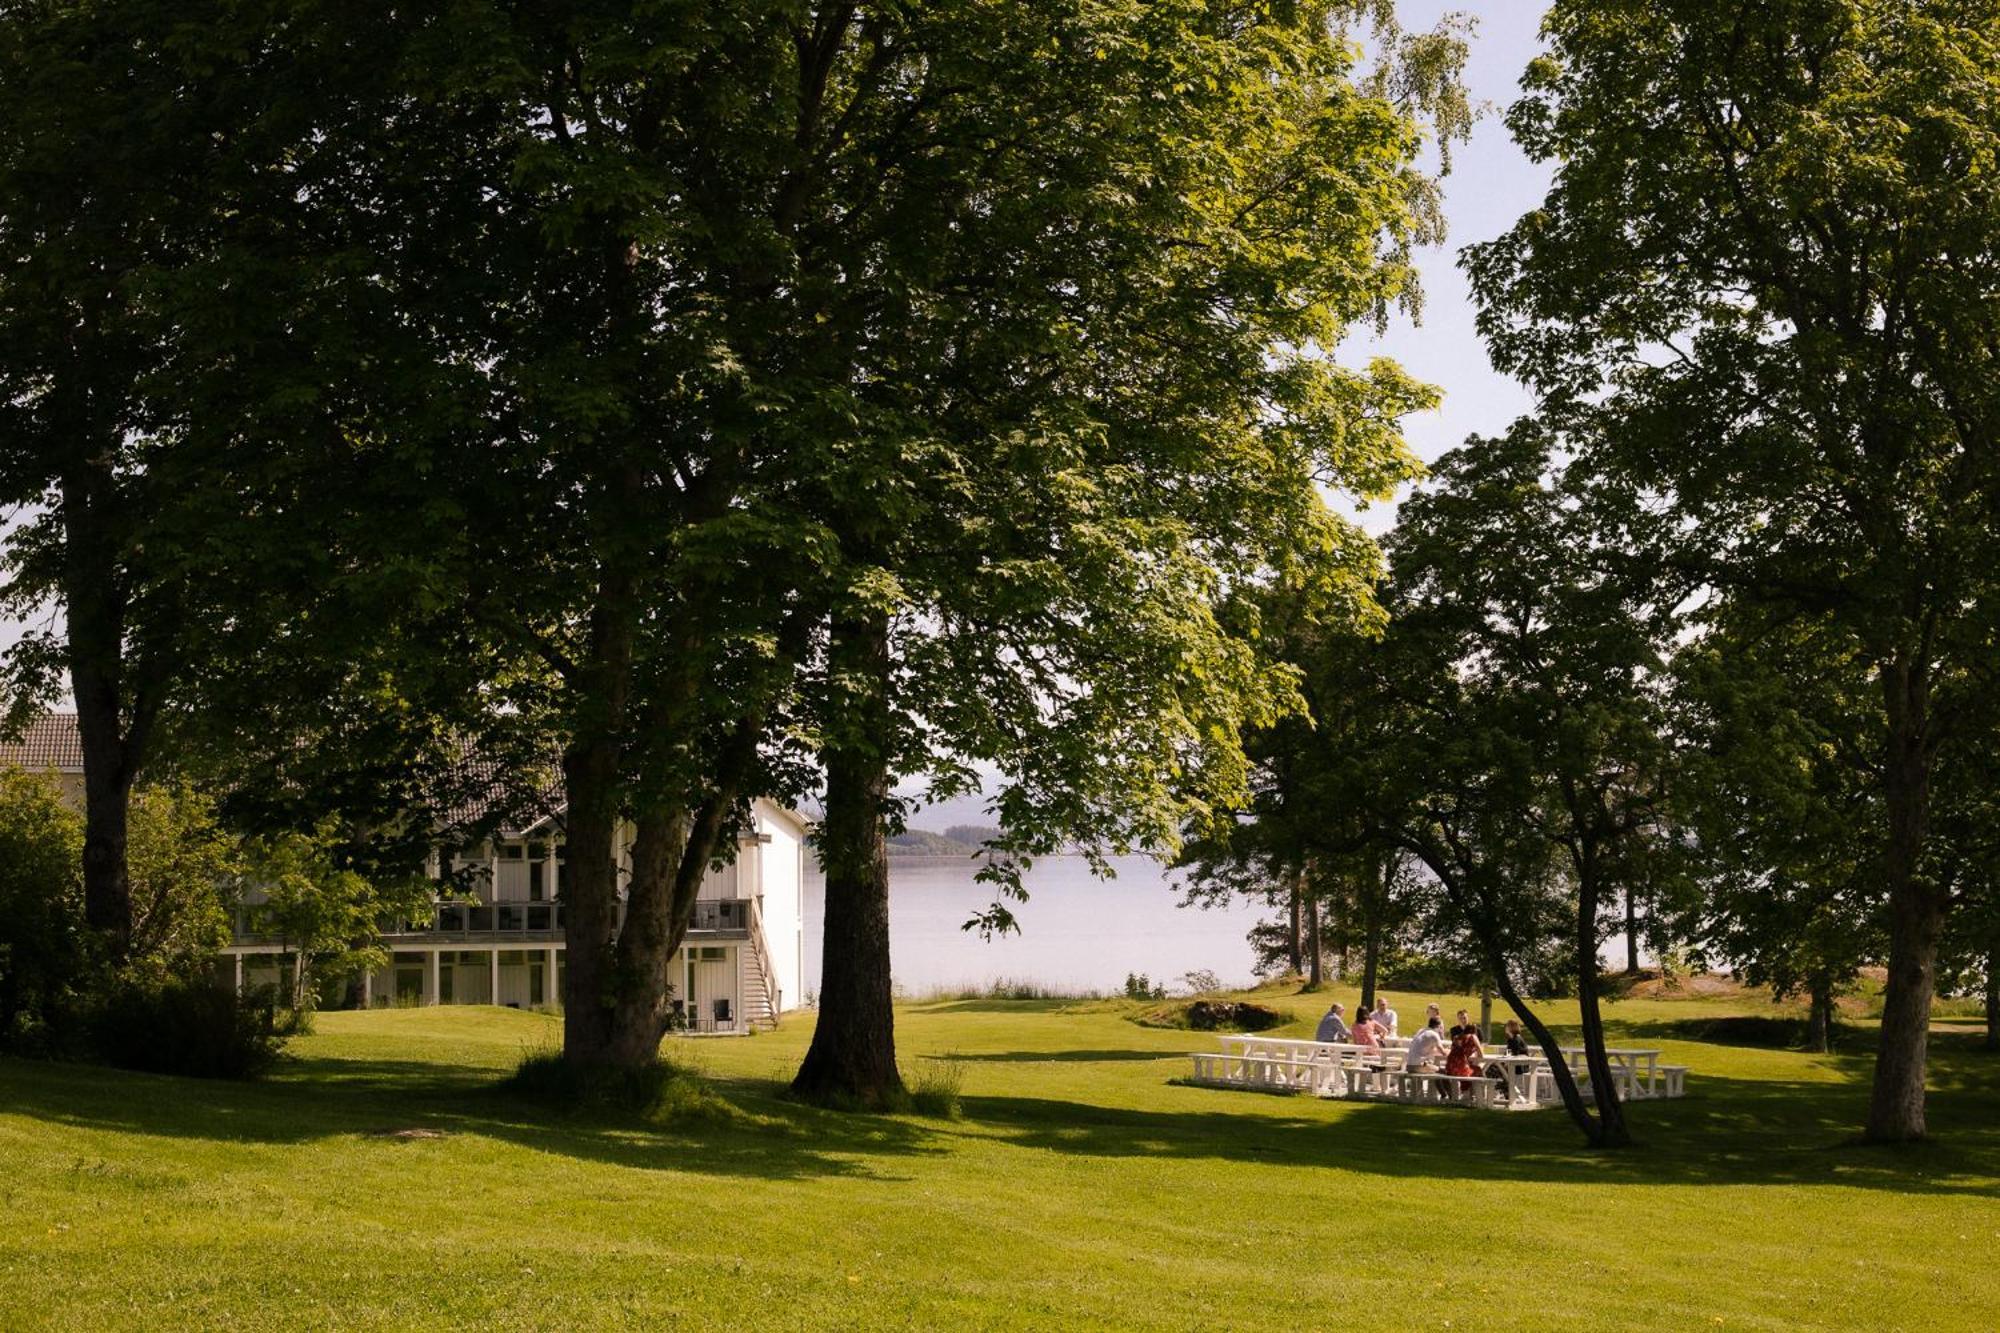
x=781, y=870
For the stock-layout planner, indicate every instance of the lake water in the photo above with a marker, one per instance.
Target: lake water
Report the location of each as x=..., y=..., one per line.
x=1078, y=932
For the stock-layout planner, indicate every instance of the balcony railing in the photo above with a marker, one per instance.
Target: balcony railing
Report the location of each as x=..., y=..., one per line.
x=721, y=914
x=461, y=921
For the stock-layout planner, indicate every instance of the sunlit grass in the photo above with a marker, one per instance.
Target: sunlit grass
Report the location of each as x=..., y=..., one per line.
x=380, y=1181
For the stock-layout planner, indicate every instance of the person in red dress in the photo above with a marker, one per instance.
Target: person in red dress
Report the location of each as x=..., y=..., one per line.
x=1463, y=1060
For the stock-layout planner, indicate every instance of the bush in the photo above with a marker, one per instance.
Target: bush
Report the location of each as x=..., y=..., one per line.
x=660, y=1093
x=1770, y=1032
x=190, y=1027
x=1217, y=1016
x=935, y=1090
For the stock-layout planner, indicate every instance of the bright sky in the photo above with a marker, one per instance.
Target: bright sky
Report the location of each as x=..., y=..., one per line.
x=1491, y=184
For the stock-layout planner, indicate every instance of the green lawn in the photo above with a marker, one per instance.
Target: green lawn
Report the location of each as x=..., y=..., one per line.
x=1081, y=1188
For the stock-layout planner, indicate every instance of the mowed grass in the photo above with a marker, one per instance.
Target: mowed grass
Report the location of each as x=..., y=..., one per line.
x=1082, y=1187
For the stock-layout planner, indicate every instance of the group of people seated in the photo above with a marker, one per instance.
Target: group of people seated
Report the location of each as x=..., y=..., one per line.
x=1456, y=1051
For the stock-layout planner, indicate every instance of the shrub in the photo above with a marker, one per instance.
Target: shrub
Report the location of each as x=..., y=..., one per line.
x=660, y=1093
x=44, y=957
x=1216, y=1016
x=181, y=1026
x=935, y=1090
x=1773, y=1032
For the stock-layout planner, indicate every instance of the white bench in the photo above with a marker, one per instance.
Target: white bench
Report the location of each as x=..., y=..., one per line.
x=1274, y=1073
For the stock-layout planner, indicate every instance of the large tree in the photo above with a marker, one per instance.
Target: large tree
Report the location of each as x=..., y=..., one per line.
x=1059, y=493
x=108, y=167
x=157, y=163
x=1536, y=787
x=1769, y=254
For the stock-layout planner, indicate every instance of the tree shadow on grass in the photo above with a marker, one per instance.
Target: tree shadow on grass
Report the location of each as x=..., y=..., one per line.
x=758, y=1134
x=1064, y=1057
x=1726, y=1132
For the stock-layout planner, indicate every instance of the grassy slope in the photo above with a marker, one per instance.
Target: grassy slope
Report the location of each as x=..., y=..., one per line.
x=1081, y=1188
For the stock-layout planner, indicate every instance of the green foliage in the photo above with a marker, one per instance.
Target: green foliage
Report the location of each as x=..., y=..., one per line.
x=196, y=1027
x=658, y=1093
x=1759, y=298
x=327, y=917
x=45, y=959
x=1424, y=973
x=1139, y=986
x=162, y=1009
x=1779, y=724
x=181, y=861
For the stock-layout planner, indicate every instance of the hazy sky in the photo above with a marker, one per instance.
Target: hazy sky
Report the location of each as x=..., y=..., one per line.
x=1490, y=185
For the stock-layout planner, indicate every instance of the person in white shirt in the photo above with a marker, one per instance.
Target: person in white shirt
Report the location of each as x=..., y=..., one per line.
x=1426, y=1048
x=1385, y=1016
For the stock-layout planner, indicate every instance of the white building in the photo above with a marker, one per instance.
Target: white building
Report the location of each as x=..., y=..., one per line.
x=740, y=966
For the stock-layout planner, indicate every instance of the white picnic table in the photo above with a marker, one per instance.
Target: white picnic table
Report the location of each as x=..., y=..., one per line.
x=1352, y=1069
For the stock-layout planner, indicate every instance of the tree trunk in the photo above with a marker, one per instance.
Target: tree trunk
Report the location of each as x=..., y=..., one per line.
x=95, y=604
x=1559, y=1070
x=94, y=609
x=1819, y=1014
x=1916, y=914
x=590, y=901
x=1296, y=953
x=637, y=1002
x=591, y=785
x=1612, y=1131
x=1993, y=998
x=1371, y=934
x=1631, y=932
x=852, y=1058
x=1315, y=969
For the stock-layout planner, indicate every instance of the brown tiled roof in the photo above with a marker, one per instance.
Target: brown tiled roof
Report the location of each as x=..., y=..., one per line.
x=49, y=741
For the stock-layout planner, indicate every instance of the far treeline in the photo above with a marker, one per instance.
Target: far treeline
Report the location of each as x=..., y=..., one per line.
x=705, y=401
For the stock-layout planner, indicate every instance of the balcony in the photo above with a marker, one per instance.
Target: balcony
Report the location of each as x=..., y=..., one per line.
x=524, y=923
x=721, y=916
x=485, y=922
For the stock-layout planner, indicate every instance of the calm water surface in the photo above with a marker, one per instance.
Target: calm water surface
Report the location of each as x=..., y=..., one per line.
x=1077, y=931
